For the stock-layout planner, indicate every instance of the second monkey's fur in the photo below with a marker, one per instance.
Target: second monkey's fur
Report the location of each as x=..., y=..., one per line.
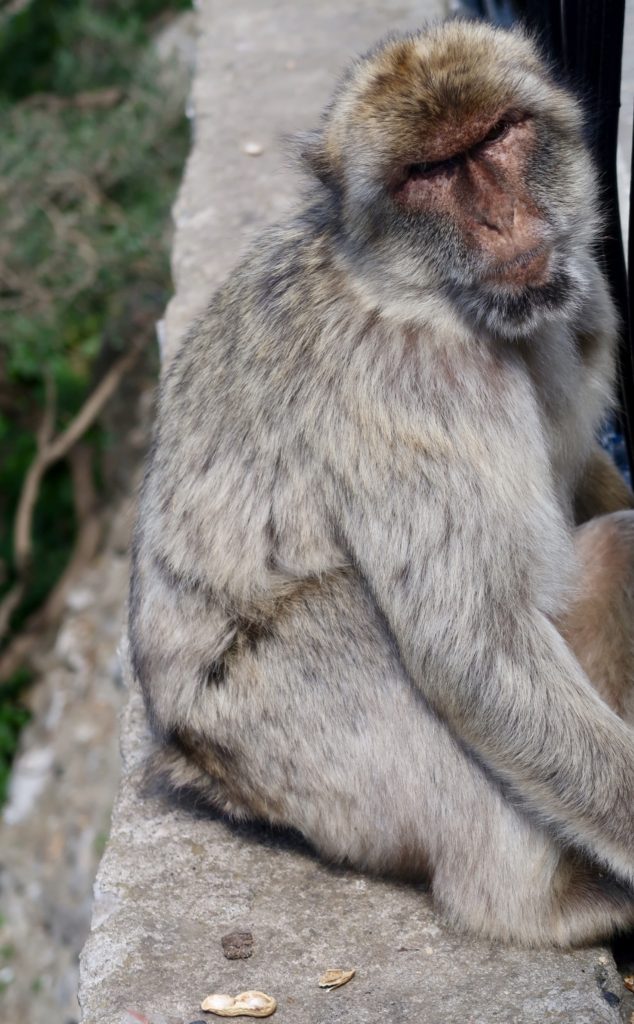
x=356, y=533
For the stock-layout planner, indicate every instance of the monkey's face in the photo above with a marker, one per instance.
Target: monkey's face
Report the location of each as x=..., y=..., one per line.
x=460, y=161
x=499, y=243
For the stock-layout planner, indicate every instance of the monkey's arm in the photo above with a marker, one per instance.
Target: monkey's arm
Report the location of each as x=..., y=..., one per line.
x=464, y=602
x=601, y=489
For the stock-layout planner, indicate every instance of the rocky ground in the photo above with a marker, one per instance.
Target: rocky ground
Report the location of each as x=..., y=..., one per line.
x=56, y=821
x=54, y=826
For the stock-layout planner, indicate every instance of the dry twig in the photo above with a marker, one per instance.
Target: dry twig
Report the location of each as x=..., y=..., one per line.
x=86, y=545
x=90, y=99
x=51, y=449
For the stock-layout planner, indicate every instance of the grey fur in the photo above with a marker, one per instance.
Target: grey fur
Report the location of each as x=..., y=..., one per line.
x=356, y=532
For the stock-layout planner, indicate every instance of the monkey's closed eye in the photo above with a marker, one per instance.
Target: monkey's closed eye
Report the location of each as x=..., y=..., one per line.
x=501, y=128
x=432, y=169
x=498, y=131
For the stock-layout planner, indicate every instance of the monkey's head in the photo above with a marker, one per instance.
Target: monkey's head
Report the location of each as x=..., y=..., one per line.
x=458, y=164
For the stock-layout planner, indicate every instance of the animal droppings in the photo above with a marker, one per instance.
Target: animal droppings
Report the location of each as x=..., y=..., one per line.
x=237, y=945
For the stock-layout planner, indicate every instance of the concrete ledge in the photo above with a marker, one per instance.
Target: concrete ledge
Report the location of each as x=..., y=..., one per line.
x=172, y=884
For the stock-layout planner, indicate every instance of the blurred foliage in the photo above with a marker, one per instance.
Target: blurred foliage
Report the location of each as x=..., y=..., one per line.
x=93, y=141
x=13, y=716
x=63, y=46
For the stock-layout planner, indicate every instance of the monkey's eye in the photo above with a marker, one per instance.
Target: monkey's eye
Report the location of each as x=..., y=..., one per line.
x=498, y=131
x=431, y=169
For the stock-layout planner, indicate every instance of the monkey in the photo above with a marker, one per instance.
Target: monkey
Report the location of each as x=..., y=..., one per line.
x=383, y=576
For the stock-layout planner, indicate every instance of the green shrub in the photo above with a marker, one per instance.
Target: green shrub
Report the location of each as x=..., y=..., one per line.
x=91, y=155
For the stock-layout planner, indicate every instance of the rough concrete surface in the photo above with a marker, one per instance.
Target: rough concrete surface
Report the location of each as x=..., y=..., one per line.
x=173, y=883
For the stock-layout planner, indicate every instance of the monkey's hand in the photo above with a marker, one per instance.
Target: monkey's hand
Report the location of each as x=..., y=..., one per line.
x=460, y=569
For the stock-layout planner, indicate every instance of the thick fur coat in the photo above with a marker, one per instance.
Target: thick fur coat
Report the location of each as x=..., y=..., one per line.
x=357, y=531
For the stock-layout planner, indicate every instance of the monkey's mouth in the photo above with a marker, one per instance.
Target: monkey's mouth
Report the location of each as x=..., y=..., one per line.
x=514, y=308
x=521, y=308
x=532, y=268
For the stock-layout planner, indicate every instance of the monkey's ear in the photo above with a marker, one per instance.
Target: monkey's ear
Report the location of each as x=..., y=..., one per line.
x=310, y=149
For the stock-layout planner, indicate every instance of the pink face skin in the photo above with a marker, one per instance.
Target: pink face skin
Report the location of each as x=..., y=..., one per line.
x=476, y=174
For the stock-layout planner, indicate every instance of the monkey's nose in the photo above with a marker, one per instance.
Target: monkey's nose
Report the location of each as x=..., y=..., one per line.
x=498, y=217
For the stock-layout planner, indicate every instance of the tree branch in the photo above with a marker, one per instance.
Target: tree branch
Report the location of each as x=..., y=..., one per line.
x=49, y=450
x=86, y=545
x=91, y=407
x=30, y=488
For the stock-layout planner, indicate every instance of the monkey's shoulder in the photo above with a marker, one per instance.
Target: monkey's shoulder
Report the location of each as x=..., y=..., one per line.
x=260, y=325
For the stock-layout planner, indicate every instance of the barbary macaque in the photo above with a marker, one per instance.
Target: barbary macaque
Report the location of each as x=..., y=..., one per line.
x=383, y=576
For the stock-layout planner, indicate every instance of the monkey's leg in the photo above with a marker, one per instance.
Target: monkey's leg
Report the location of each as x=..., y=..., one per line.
x=599, y=625
x=317, y=726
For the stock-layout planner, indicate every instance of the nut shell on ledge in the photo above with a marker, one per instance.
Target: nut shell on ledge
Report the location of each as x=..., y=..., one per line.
x=335, y=979
x=246, y=1004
